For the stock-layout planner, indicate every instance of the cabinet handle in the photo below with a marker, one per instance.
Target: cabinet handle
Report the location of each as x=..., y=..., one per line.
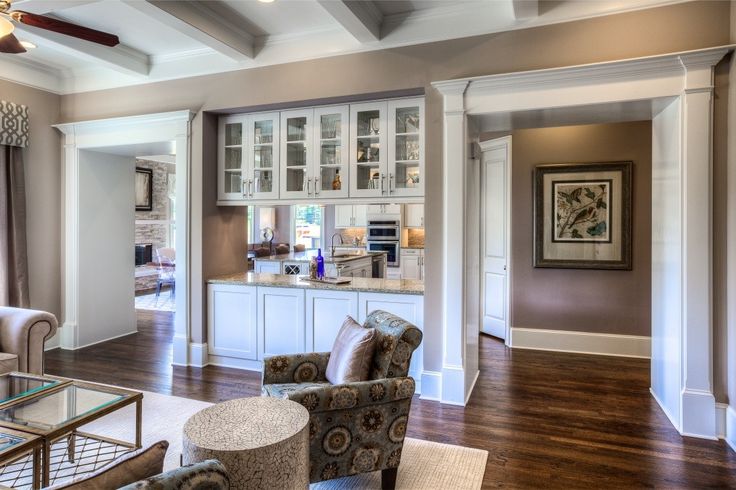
x=245, y=188
x=383, y=181
x=422, y=221
x=252, y=187
x=391, y=184
x=316, y=186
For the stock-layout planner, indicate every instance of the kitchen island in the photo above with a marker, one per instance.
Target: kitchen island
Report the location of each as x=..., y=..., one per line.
x=252, y=316
x=354, y=263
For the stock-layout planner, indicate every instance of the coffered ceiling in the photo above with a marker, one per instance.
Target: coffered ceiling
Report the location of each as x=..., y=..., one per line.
x=167, y=39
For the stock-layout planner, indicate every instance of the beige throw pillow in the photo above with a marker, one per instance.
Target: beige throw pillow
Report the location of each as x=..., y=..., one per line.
x=352, y=353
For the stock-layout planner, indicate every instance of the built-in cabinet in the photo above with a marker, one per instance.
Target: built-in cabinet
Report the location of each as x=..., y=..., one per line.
x=383, y=209
x=367, y=150
x=412, y=263
x=413, y=216
x=350, y=216
x=248, y=157
x=248, y=323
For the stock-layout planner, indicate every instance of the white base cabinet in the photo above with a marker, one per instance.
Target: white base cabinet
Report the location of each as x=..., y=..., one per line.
x=326, y=311
x=248, y=323
x=281, y=321
x=231, y=321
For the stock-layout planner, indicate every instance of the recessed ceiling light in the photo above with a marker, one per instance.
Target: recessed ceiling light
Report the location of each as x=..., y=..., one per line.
x=266, y=1
x=28, y=44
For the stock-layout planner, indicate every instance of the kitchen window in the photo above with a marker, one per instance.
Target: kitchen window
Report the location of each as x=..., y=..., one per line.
x=307, y=225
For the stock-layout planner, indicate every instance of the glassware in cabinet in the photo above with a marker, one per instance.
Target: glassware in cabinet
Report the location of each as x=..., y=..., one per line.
x=331, y=169
x=367, y=154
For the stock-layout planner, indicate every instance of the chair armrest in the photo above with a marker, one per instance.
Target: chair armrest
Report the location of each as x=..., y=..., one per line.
x=24, y=333
x=188, y=477
x=295, y=368
x=355, y=395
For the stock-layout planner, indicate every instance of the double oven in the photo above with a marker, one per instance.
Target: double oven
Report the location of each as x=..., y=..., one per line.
x=384, y=235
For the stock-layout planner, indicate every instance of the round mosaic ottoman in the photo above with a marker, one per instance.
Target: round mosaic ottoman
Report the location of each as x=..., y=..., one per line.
x=263, y=442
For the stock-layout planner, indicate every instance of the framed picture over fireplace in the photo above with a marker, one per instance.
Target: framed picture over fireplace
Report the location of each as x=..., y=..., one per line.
x=582, y=215
x=143, y=189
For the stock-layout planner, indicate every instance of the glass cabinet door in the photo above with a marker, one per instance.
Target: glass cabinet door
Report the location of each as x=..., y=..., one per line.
x=406, y=147
x=367, y=150
x=262, y=178
x=296, y=179
x=231, y=158
x=331, y=157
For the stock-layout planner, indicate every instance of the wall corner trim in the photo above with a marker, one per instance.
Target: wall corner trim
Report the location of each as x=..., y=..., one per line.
x=581, y=342
x=730, y=435
x=198, y=354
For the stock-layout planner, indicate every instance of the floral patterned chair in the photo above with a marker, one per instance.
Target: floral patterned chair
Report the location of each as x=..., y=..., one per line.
x=354, y=427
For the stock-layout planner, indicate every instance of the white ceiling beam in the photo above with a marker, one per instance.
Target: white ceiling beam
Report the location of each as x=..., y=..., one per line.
x=525, y=9
x=123, y=59
x=199, y=22
x=361, y=19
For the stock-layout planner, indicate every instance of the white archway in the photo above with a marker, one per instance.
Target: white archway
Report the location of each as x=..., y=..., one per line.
x=676, y=90
x=115, y=132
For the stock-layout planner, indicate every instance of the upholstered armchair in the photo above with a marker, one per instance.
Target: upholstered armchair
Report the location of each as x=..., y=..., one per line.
x=354, y=427
x=23, y=334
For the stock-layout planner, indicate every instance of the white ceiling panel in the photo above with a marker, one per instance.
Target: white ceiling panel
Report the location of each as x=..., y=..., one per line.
x=162, y=42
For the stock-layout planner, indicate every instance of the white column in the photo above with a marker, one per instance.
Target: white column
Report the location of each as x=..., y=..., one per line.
x=69, y=326
x=698, y=402
x=453, y=255
x=182, y=319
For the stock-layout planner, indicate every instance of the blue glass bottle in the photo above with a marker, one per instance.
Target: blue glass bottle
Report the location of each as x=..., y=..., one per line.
x=320, y=264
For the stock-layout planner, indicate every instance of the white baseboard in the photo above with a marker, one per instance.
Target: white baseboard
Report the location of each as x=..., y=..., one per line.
x=472, y=386
x=581, y=342
x=453, y=385
x=97, y=341
x=431, y=386
x=181, y=351
x=52, y=343
x=68, y=335
x=721, y=420
x=674, y=421
x=730, y=435
x=198, y=354
x=698, y=414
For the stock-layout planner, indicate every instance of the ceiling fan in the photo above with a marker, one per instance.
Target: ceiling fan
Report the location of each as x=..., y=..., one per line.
x=10, y=44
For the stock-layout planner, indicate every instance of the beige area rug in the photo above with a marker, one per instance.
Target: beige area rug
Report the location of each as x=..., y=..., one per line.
x=424, y=465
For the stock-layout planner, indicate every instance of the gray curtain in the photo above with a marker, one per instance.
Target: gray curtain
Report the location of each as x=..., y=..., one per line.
x=13, y=252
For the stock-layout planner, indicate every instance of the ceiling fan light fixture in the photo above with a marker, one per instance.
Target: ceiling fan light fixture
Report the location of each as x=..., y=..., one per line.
x=6, y=27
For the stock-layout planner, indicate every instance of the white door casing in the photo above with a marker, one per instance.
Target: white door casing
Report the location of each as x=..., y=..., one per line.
x=495, y=235
x=687, y=76
x=132, y=130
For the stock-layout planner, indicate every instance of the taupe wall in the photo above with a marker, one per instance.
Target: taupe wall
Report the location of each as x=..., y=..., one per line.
x=647, y=32
x=43, y=194
x=571, y=299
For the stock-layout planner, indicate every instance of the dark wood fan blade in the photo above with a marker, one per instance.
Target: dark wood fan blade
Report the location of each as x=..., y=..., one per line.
x=10, y=44
x=67, y=28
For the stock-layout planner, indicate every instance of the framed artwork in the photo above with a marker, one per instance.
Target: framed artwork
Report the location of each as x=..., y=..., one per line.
x=582, y=216
x=143, y=189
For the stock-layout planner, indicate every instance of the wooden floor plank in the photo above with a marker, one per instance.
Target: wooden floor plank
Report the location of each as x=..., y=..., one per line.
x=547, y=419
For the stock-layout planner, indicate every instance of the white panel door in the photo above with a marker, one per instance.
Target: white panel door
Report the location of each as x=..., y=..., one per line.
x=360, y=215
x=494, y=230
x=414, y=216
x=410, y=307
x=326, y=312
x=232, y=323
x=281, y=321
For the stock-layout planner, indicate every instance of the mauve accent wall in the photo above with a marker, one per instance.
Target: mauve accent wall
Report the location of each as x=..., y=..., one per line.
x=573, y=299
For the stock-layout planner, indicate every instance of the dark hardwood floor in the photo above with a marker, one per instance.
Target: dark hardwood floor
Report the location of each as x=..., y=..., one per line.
x=547, y=419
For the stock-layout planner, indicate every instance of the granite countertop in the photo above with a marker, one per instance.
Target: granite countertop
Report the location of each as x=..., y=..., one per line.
x=363, y=284
x=307, y=255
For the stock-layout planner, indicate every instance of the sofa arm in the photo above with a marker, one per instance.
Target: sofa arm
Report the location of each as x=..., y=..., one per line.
x=209, y=474
x=24, y=333
x=295, y=368
x=354, y=395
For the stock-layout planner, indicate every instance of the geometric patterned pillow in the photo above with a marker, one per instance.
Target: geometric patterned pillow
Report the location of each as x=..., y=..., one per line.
x=207, y=475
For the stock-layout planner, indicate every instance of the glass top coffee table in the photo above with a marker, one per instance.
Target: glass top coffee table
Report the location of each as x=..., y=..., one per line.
x=54, y=411
x=16, y=385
